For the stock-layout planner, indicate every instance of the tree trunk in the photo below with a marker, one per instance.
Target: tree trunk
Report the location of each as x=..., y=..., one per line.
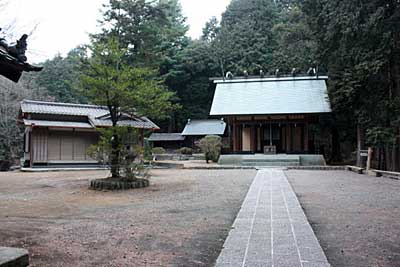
x=360, y=144
x=379, y=158
x=388, y=159
x=115, y=154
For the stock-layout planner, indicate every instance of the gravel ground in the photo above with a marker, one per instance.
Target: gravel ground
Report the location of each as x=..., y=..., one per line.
x=182, y=219
x=355, y=217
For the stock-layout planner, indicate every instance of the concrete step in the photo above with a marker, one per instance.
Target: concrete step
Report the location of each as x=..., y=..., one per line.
x=272, y=160
x=13, y=257
x=270, y=163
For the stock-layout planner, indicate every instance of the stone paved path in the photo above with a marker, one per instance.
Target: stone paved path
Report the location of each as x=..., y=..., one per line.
x=271, y=228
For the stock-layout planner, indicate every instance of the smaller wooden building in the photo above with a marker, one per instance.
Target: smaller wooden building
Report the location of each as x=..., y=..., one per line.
x=60, y=133
x=169, y=141
x=197, y=129
x=271, y=115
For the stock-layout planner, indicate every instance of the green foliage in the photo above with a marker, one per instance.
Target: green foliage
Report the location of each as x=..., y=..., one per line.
x=186, y=151
x=110, y=82
x=158, y=150
x=380, y=137
x=357, y=41
x=210, y=30
x=147, y=152
x=130, y=153
x=252, y=35
x=188, y=76
x=211, y=147
x=150, y=30
x=296, y=46
x=262, y=34
x=60, y=75
x=11, y=132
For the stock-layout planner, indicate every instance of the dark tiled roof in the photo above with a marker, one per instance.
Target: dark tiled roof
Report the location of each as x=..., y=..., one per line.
x=39, y=107
x=97, y=116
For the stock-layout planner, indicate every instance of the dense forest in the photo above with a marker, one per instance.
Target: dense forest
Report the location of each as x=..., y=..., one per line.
x=357, y=43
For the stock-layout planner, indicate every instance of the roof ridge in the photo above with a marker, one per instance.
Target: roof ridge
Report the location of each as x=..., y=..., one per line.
x=192, y=120
x=169, y=133
x=61, y=104
x=270, y=79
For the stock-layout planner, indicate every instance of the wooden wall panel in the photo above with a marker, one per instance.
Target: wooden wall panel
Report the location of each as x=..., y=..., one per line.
x=39, y=145
x=79, y=144
x=54, y=146
x=67, y=147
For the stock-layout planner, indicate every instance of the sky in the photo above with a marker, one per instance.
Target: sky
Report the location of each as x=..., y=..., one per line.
x=57, y=26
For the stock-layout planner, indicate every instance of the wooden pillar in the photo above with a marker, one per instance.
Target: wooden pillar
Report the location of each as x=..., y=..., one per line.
x=240, y=137
x=288, y=137
x=30, y=148
x=305, y=134
x=234, y=136
x=369, y=159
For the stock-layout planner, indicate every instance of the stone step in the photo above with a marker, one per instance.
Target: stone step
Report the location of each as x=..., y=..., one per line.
x=272, y=160
x=13, y=257
x=271, y=163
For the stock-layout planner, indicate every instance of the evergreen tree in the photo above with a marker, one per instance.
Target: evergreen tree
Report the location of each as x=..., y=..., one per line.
x=110, y=82
x=358, y=42
x=59, y=76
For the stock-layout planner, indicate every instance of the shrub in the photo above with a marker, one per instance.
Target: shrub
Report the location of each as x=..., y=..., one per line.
x=129, y=161
x=158, y=150
x=211, y=147
x=186, y=151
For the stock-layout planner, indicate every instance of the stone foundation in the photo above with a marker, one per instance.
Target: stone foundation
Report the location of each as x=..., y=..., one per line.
x=118, y=184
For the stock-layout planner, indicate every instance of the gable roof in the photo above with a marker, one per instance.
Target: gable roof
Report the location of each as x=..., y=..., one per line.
x=154, y=137
x=288, y=95
x=97, y=116
x=204, y=127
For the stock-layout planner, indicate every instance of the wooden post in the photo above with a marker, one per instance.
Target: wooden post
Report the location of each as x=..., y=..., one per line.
x=306, y=135
x=31, y=147
x=270, y=131
x=234, y=136
x=369, y=158
x=288, y=139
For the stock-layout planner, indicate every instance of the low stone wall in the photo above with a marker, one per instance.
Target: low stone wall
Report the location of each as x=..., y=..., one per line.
x=317, y=168
x=118, y=184
x=178, y=157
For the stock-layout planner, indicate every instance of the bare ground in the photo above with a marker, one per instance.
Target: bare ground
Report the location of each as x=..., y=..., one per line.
x=355, y=217
x=182, y=219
